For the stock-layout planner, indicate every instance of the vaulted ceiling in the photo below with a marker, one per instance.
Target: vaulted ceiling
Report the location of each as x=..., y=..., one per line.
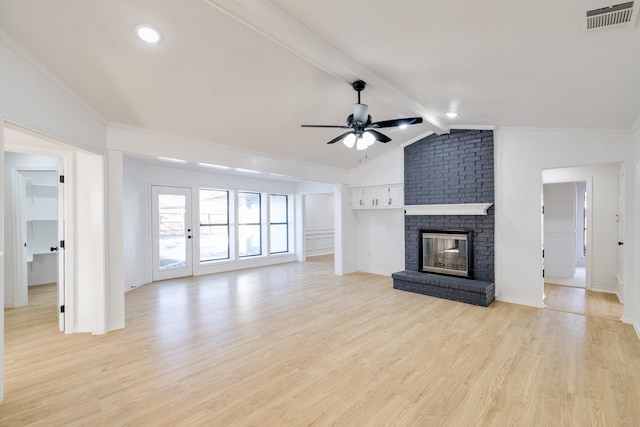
x=248, y=73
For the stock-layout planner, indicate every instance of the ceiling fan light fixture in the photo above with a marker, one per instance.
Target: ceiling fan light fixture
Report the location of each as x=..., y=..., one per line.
x=360, y=113
x=368, y=138
x=349, y=140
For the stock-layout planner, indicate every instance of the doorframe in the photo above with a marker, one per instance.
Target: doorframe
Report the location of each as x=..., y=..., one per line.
x=18, y=200
x=589, y=213
x=21, y=290
x=190, y=255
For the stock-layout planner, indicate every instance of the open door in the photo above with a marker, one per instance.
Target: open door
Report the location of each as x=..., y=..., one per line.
x=621, y=225
x=61, y=250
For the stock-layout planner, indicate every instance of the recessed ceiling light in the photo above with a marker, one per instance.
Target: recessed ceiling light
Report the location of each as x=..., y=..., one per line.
x=148, y=34
x=452, y=114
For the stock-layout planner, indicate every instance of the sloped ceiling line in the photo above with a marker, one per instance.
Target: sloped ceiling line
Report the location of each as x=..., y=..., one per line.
x=263, y=17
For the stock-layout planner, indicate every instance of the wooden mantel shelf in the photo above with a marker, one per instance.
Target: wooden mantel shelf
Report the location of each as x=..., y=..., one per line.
x=448, y=209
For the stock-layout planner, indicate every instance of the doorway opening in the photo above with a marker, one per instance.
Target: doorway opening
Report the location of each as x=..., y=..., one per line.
x=319, y=226
x=580, y=218
x=566, y=225
x=34, y=231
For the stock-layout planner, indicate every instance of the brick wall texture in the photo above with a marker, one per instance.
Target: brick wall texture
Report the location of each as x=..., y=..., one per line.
x=453, y=168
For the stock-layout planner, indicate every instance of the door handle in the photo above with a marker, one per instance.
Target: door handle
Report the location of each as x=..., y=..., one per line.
x=620, y=243
x=54, y=249
x=188, y=237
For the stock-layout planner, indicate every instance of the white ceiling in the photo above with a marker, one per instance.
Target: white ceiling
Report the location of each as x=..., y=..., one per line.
x=247, y=74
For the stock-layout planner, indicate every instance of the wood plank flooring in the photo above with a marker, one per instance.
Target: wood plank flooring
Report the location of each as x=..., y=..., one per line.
x=296, y=345
x=581, y=301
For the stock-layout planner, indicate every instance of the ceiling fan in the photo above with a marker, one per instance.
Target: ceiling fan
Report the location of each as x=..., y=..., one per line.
x=362, y=131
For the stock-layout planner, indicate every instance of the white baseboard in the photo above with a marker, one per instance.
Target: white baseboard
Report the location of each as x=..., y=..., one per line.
x=520, y=302
x=636, y=326
x=132, y=287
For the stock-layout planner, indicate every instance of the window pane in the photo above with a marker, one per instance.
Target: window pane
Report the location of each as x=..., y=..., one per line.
x=278, y=208
x=214, y=242
x=171, y=237
x=214, y=207
x=248, y=208
x=248, y=240
x=279, y=238
x=214, y=225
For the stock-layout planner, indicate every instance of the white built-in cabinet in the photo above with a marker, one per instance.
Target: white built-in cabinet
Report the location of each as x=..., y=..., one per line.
x=377, y=197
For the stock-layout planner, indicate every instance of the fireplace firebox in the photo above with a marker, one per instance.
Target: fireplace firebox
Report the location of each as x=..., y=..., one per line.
x=447, y=252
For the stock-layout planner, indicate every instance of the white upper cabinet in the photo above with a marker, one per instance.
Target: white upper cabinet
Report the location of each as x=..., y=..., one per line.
x=377, y=197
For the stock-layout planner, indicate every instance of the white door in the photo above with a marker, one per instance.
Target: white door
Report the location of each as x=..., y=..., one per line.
x=621, y=219
x=172, y=232
x=61, y=246
x=559, y=230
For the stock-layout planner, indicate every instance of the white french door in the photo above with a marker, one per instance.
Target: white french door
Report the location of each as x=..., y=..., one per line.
x=172, y=232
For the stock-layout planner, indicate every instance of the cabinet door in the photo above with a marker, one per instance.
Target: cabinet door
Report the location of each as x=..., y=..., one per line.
x=396, y=195
x=369, y=196
x=356, y=198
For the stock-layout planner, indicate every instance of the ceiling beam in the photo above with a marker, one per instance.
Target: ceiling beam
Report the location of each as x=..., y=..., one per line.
x=263, y=17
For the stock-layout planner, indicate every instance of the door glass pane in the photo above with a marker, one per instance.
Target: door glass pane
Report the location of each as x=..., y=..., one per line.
x=171, y=231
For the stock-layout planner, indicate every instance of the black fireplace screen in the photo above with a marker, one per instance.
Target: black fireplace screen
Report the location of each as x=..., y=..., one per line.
x=446, y=252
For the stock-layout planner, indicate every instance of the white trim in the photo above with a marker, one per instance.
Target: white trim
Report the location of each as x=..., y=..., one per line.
x=519, y=302
x=473, y=127
x=448, y=209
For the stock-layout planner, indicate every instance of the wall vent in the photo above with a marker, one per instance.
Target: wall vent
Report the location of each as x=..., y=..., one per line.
x=608, y=17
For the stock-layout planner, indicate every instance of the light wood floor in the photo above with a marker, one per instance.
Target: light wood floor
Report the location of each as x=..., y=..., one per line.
x=581, y=301
x=296, y=345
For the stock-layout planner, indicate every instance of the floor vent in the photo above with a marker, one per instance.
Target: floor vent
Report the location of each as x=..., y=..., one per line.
x=616, y=16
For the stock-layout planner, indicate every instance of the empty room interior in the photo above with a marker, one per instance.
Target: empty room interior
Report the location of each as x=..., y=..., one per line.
x=295, y=213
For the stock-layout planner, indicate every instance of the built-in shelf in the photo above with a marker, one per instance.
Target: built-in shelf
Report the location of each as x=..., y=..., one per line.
x=448, y=209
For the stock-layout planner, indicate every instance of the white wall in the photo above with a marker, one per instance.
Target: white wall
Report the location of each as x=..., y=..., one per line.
x=520, y=157
x=33, y=98
x=632, y=227
x=380, y=232
x=138, y=177
x=603, y=248
x=318, y=224
x=136, y=224
x=144, y=142
x=380, y=240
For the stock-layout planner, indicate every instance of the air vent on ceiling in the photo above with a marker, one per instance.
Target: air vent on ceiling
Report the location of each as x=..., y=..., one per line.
x=614, y=16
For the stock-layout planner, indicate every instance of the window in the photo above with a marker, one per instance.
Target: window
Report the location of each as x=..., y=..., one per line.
x=214, y=225
x=249, y=228
x=279, y=223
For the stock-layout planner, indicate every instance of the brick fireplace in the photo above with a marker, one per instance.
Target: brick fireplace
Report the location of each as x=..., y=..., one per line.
x=442, y=174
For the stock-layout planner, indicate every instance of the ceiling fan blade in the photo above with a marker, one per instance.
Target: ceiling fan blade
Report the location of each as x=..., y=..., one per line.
x=396, y=122
x=334, y=140
x=325, y=126
x=379, y=136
